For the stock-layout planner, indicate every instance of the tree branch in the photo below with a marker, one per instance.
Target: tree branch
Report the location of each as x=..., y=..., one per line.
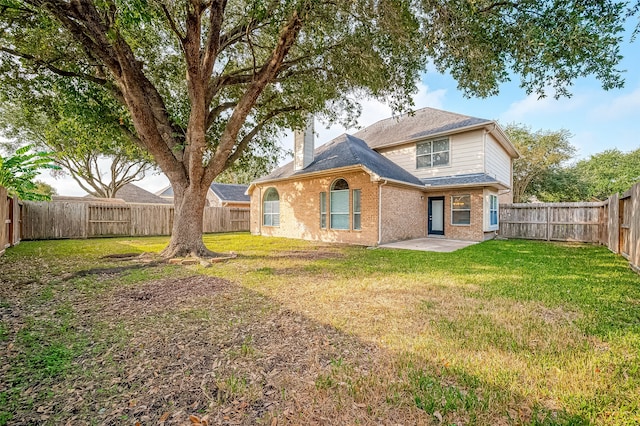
x=54, y=69
x=172, y=23
x=244, y=142
x=267, y=73
x=212, y=45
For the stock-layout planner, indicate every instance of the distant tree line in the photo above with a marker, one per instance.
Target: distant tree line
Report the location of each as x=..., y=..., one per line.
x=548, y=170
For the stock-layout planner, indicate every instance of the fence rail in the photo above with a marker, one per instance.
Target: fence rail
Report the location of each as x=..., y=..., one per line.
x=73, y=219
x=554, y=221
x=614, y=223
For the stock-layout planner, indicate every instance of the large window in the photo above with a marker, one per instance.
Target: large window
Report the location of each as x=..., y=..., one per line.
x=356, y=210
x=339, y=204
x=493, y=210
x=271, y=208
x=432, y=154
x=461, y=209
x=323, y=210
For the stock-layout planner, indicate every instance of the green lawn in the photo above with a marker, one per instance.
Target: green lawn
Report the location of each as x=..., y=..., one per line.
x=292, y=332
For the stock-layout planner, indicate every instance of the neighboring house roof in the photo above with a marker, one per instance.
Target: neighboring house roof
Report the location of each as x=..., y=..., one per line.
x=461, y=180
x=226, y=192
x=134, y=194
x=166, y=192
x=231, y=192
x=345, y=151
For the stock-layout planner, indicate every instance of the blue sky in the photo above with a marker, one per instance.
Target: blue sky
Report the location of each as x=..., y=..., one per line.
x=597, y=119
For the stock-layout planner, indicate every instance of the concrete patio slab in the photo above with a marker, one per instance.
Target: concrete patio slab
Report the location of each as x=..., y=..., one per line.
x=429, y=244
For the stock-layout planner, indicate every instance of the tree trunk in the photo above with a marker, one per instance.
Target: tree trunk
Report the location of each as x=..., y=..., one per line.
x=186, y=234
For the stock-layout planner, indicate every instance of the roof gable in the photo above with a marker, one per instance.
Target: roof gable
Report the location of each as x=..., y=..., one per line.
x=345, y=151
x=134, y=194
x=421, y=123
x=230, y=192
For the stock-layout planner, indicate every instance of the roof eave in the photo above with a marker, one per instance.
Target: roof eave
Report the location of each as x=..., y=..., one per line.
x=504, y=141
x=496, y=185
x=358, y=167
x=438, y=134
x=377, y=178
x=307, y=175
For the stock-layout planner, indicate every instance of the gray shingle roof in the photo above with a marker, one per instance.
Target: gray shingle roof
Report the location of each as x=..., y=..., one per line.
x=422, y=123
x=230, y=192
x=344, y=151
x=134, y=194
x=166, y=192
x=468, y=179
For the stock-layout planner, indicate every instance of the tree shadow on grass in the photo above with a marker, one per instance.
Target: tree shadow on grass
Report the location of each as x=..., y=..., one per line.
x=162, y=350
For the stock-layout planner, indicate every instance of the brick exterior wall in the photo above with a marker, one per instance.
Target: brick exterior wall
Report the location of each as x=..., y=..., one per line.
x=303, y=221
x=472, y=232
x=404, y=213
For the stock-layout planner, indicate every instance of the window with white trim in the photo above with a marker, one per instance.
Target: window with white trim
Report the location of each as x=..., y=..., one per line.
x=323, y=210
x=432, y=153
x=357, y=222
x=493, y=210
x=339, y=205
x=461, y=209
x=271, y=208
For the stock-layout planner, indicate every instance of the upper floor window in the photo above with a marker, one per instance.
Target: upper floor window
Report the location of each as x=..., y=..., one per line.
x=271, y=208
x=339, y=204
x=432, y=154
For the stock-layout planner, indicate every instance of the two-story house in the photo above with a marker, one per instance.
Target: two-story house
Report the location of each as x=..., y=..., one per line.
x=431, y=173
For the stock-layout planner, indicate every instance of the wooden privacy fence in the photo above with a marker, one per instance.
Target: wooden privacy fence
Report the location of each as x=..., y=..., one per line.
x=10, y=217
x=73, y=219
x=614, y=223
x=554, y=221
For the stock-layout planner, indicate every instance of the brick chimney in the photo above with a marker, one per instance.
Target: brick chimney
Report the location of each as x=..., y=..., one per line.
x=303, y=146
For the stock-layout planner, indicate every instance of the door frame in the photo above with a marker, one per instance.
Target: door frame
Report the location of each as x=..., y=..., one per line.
x=430, y=231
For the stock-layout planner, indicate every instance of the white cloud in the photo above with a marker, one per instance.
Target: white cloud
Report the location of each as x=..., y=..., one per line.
x=532, y=106
x=429, y=98
x=374, y=110
x=587, y=143
x=64, y=185
x=620, y=107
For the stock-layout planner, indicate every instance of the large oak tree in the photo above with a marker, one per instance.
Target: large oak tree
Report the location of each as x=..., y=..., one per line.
x=204, y=81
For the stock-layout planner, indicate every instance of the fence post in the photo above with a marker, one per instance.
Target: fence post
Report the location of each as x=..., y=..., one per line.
x=548, y=223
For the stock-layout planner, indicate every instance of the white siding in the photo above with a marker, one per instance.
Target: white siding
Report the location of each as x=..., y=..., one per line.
x=498, y=161
x=466, y=155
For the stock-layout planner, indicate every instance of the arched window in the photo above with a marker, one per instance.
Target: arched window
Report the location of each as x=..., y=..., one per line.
x=339, y=202
x=271, y=208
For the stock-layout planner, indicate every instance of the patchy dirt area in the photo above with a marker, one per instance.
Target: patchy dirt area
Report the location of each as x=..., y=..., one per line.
x=310, y=254
x=203, y=350
x=170, y=293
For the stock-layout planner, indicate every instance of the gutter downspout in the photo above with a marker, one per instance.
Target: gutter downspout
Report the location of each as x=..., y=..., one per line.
x=380, y=210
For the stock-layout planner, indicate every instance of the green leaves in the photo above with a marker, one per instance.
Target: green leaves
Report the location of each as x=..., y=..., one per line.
x=542, y=171
x=548, y=44
x=609, y=172
x=543, y=152
x=17, y=173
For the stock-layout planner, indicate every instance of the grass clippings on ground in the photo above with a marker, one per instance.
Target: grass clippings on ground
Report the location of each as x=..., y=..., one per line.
x=292, y=332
